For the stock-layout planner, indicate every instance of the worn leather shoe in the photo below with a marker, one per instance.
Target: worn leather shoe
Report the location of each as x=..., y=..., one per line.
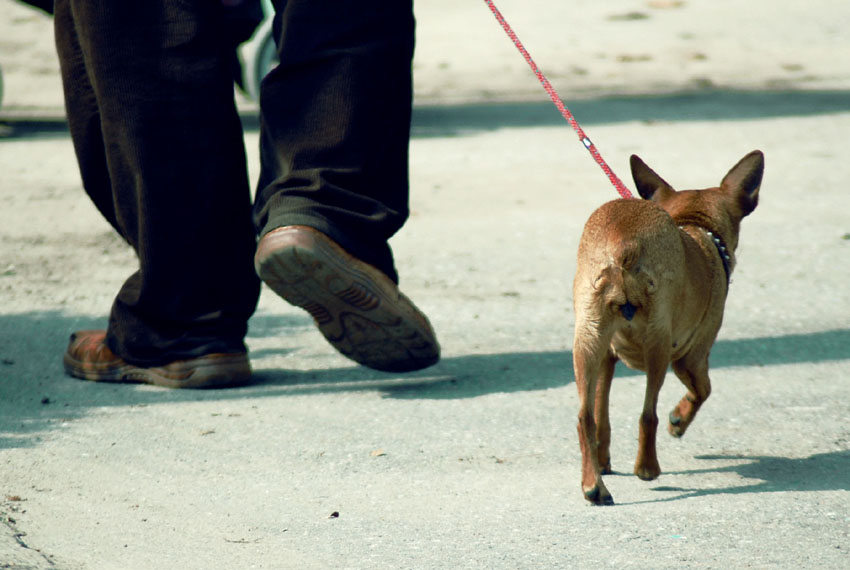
x=88, y=358
x=358, y=309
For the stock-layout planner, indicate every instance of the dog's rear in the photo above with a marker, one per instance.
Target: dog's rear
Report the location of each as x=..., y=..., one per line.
x=617, y=282
x=649, y=290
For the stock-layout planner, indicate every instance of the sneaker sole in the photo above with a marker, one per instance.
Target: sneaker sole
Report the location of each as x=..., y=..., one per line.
x=358, y=309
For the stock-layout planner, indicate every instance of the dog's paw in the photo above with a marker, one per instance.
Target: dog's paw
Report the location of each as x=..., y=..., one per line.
x=599, y=496
x=677, y=426
x=648, y=472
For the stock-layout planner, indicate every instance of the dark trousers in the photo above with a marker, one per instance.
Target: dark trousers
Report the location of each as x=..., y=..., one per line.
x=149, y=97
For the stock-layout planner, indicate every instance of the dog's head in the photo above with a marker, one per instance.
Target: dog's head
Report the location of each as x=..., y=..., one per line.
x=718, y=209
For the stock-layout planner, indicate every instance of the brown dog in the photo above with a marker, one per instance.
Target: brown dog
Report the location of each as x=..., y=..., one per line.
x=649, y=290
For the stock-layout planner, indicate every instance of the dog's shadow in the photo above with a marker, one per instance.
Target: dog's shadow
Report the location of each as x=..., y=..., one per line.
x=767, y=474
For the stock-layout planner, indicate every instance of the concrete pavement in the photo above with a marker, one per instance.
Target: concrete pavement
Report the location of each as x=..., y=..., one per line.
x=473, y=463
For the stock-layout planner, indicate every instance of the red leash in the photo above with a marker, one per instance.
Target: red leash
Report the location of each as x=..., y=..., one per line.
x=618, y=184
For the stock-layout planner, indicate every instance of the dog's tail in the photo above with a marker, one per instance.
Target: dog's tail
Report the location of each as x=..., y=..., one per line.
x=627, y=285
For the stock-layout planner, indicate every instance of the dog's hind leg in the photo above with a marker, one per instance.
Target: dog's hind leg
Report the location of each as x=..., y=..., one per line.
x=588, y=351
x=646, y=464
x=603, y=422
x=692, y=370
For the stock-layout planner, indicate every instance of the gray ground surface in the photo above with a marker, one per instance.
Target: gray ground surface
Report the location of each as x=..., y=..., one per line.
x=473, y=463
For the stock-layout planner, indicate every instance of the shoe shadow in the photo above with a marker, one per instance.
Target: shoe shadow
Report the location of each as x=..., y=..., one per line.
x=470, y=376
x=36, y=396
x=451, y=378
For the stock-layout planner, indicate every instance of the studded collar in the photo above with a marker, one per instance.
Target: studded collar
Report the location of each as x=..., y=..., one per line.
x=721, y=249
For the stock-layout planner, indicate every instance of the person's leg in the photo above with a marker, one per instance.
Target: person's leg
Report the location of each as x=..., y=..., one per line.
x=149, y=96
x=336, y=124
x=83, y=114
x=333, y=188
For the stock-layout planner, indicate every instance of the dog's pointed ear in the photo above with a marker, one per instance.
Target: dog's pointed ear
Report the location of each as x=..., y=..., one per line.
x=647, y=181
x=744, y=180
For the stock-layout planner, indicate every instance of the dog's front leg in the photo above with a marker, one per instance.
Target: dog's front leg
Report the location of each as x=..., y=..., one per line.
x=646, y=464
x=586, y=371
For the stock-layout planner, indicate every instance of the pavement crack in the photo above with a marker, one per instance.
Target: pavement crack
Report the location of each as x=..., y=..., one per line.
x=8, y=511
